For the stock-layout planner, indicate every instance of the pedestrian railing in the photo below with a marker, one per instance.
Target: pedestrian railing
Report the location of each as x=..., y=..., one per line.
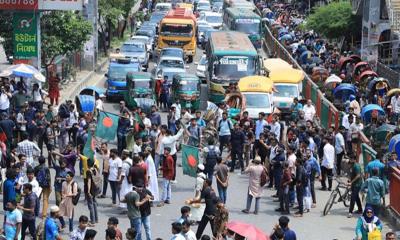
x=394, y=193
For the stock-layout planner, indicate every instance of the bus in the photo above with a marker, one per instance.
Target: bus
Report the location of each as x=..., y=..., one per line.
x=245, y=21
x=242, y=4
x=231, y=56
x=178, y=29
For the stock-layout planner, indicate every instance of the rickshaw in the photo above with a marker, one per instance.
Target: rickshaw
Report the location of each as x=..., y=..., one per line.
x=359, y=68
x=365, y=77
x=140, y=91
x=343, y=61
x=86, y=100
x=394, y=144
x=377, y=89
x=356, y=58
x=332, y=81
x=370, y=111
x=186, y=88
x=319, y=74
x=342, y=93
x=382, y=135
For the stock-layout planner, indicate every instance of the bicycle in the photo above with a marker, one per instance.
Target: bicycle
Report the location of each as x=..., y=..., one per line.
x=344, y=196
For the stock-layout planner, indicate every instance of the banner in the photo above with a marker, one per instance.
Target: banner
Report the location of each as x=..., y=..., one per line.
x=25, y=35
x=64, y=5
x=18, y=4
x=190, y=160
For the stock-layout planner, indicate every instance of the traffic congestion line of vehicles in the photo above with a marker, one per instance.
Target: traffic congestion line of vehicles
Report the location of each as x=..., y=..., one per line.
x=230, y=35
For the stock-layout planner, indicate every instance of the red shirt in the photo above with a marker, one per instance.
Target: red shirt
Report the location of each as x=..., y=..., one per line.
x=168, y=168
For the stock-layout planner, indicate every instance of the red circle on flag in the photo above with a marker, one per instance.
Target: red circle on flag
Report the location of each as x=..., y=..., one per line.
x=107, y=122
x=192, y=161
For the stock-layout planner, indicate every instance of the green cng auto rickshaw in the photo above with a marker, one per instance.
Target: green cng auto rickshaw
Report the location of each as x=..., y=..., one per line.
x=186, y=88
x=140, y=91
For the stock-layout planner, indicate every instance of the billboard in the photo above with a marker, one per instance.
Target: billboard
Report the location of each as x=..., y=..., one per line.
x=25, y=35
x=19, y=4
x=59, y=4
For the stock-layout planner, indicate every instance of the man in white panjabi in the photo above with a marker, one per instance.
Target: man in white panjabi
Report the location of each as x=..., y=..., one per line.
x=151, y=173
x=126, y=187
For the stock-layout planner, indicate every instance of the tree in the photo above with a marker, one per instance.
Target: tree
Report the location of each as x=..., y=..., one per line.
x=334, y=20
x=62, y=32
x=6, y=32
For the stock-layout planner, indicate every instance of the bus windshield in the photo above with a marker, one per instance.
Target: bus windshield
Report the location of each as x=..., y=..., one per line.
x=249, y=26
x=133, y=47
x=177, y=29
x=118, y=73
x=234, y=67
x=288, y=91
x=256, y=100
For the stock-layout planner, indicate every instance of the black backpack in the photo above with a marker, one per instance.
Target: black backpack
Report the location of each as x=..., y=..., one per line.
x=212, y=156
x=63, y=111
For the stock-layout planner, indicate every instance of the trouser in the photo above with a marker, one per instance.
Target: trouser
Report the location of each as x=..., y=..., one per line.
x=157, y=162
x=300, y=197
x=326, y=172
x=92, y=205
x=284, y=199
x=277, y=177
x=136, y=224
x=121, y=143
x=38, y=105
x=236, y=153
x=249, y=200
x=175, y=159
x=70, y=223
x=45, y=195
x=147, y=227
x=247, y=153
x=209, y=171
x=312, y=190
x=114, y=191
x=355, y=199
x=105, y=183
x=166, y=195
x=58, y=198
x=54, y=100
x=28, y=224
x=202, y=225
x=72, y=135
x=222, y=193
x=224, y=141
x=339, y=158
x=271, y=170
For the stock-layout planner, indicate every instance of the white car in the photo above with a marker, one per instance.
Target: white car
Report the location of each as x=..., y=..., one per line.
x=213, y=19
x=163, y=7
x=202, y=67
x=146, y=40
x=203, y=5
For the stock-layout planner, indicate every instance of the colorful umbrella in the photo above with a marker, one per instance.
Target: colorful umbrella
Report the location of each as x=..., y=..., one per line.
x=332, y=81
x=370, y=109
x=23, y=70
x=246, y=230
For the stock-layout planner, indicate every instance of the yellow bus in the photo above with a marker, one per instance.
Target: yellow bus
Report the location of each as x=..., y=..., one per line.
x=178, y=29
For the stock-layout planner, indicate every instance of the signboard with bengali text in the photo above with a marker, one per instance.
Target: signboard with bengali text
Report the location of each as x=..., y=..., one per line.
x=60, y=4
x=19, y=4
x=25, y=35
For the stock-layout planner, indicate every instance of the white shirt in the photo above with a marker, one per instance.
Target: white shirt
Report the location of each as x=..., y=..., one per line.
x=126, y=165
x=114, y=165
x=354, y=128
x=339, y=143
x=276, y=129
x=190, y=235
x=99, y=104
x=37, y=96
x=178, y=111
x=146, y=122
x=309, y=112
x=4, y=101
x=136, y=149
x=329, y=156
x=292, y=163
x=20, y=118
x=178, y=237
x=170, y=141
x=35, y=186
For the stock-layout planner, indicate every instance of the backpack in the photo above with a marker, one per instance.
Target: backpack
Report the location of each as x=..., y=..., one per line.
x=75, y=199
x=63, y=111
x=97, y=182
x=229, y=124
x=212, y=156
x=43, y=177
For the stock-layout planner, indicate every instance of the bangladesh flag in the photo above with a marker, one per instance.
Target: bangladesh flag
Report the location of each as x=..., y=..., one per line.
x=138, y=122
x=190, y=160
x=90, y=145
x=107, y=124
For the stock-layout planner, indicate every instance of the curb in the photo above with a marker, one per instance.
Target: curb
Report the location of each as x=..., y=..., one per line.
x=392, y=217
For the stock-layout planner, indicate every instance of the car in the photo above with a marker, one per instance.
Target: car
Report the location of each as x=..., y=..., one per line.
x=217, y=7
x=148, y=24
x=134, y=49
x=169, y=62
x=169, y=72
x=163, y=7
x=146, y=40
x=212, y=18
x=172, y=52
x=202, y=67
x=148, y=33
x=156, y=17
x=203, y=5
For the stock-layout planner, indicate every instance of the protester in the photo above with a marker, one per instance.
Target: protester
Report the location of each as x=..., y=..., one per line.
x=51, y=229
x=69, y=190
x=255, y=189
x=375, y=189
x=168, y=174
x=355, y=183
x=80, y=232
x=28, y=211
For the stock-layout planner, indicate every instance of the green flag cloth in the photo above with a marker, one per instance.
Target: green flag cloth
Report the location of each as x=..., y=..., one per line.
x=190, y=160
x=90, y=145
x=107, y=124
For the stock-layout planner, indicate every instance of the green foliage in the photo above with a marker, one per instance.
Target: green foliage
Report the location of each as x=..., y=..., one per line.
x=333, y=20
x=112, y=10
x=62, y=32
x=6, y=31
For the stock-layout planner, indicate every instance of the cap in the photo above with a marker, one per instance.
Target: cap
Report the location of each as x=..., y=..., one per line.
x=201, y=167
x=257, y=159
x=54, y=209
x=125, y=151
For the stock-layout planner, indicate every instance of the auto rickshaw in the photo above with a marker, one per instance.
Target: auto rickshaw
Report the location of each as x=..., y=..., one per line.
x=359, y=68
x=371, y=111
x=140, y=91
x=186, y=88
x=342, y=93
x=86, y=99
x=377, y=90
x=319, y=74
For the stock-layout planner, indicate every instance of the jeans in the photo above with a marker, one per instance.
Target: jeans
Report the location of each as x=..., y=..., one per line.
x=70, y=223
x=175, y=159
x=284, y=199
x=224, y=141
x=202, y=225
x=166, y=195
x=58, y=198
x=121, y=143
x=28, y=224
x=157, y=161
x=137, y=225
x=300, y=198
x=312, y=190
x=45, y=195
x=239, y=154
x=222, y=193
x=92, y=205
x=114, y=191
x=355, y=198
x=249, y=200
x=105, y=183
x=147, y=227
x=326, y=172
x=339, y=158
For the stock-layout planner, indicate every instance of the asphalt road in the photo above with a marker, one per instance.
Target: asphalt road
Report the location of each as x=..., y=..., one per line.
x=312, y=226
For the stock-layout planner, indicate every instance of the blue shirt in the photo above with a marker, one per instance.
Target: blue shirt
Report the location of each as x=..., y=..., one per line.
x=375, y=164
x=260, y=127
x=201, y=122
x=51, y=229
x=376, y=190
x=289, y=234
x=312, y=166
x=8, y=192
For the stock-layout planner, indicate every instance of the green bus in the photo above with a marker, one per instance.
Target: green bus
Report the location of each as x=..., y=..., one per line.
x=245, y=21
x=231, y=56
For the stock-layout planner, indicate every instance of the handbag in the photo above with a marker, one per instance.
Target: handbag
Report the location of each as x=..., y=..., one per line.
x=375, y=235
x=263, y=178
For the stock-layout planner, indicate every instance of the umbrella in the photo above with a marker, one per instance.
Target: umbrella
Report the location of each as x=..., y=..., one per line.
x=86, y=103
x=367, y=73
x=246, y=230
x=393, y=92
x=394, y=144
x=368, y=110
x=332, y=81
x=286, y=37
x=384, y=132
x=23, y=70
x=344, y=90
